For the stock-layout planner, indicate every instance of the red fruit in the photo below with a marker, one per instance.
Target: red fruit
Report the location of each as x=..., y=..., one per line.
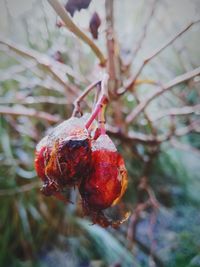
x=41, y=154
x=108, y=180
x=70, y=161
x=64, y=156
x=70, y=158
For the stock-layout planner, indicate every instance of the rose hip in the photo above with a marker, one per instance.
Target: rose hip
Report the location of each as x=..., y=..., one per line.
x=107, y=182
x=64, y=156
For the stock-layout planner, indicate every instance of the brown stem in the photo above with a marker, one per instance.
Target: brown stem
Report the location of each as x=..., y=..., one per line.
x=184, y=147
x=113, y=57
x=148, y=251
x=59, y=9
x=131, y=231
x=179, y=79
x=193, y=126
x=103, y=99
x=145, y=29
x=101, y=119
x=131, y=82
x=22, y=111
x=110, y=38
x=186, y=110
x=29, y=100
x=82, y=96
x=19, y=190
x=149, y=121
x=45, y=62
x=151, y=140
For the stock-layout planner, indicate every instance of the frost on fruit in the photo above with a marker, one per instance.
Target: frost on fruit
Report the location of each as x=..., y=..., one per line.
x=63, y=157
x=107, y=182
x=70, y=155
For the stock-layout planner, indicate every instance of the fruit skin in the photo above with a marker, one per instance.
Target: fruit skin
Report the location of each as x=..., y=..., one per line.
x=69, y=161
x=69, y=157
x=42, y=154
x=103, y=187
x=63, y=157
x=108, y=179
x=40, y=163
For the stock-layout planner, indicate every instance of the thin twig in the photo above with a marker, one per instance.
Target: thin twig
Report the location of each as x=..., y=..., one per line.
x=145, y=28
x=193, y=126
x=37, y=56
x=146, y=81
x=141, y=206
x=146, y=115
x=179, y=79
x=40, y=58
x=184, y=147
x=22, y=111
x=148, y=251
x=186, y=110
x=110, y=39
x=151, y=140
x=132, y=137
x=82, y=96
x=47, y=63
x=134, y=218
x=132, y=80
x=112, y=51
x=60, y=11
x=103, y=99
x=19, y=190
x=29, y=100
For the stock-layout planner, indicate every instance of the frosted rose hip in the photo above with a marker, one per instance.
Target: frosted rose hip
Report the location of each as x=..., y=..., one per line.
x=41, y=156
x=64, y=156
x=108, y=180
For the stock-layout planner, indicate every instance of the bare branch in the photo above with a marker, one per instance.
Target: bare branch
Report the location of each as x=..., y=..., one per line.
x=44, y=61
x=146, y=81
x=19, y=190
x=38, y=57
x=185, y=147
x=178, y=112
x=60, y=11
x=22, y=111
x=110, y=38
x=144, y=247
x=113, y=54
x=133, y=137
x=145, y=28
x=34, y=100
x=132, y=80
x=193, y=126
x=149, y=139
x=179, y=79
x=102, y=101
x=148, y=119
x=82, y=96
x=141, y=206
x=134, y=218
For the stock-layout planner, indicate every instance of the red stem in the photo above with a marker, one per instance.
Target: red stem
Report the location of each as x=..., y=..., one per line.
x=98, y=107
x=101, y=119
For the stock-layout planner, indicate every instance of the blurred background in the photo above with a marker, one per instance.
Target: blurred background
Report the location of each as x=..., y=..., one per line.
x=43, y=68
